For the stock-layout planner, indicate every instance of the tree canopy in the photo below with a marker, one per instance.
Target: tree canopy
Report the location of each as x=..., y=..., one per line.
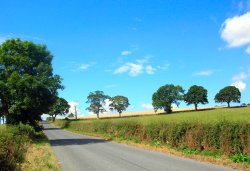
x=27, y=84
x=166, y=95
x=195, y=95
x=119, y=103
x=228, y=94
x=60, y=107
x=96, y=100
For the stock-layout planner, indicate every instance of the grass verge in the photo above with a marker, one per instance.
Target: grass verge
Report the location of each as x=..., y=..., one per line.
x=40, y=157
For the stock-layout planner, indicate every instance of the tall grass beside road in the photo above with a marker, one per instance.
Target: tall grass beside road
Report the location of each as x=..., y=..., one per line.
x=21, y=148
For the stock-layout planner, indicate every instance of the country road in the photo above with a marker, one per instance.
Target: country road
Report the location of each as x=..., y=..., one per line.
x=76, y=152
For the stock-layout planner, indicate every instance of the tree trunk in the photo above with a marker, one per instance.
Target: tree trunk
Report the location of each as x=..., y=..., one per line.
x=97, y=115
x=168, y=109
x=196, y=105
x=120, y=114
x=228, y=104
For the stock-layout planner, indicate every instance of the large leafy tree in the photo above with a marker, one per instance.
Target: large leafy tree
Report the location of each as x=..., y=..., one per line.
x=166, y=95
x=27, y=84
x=96, y=100
x=119, y=103
x=195, y=95
x=228, y=94
x=60, y=107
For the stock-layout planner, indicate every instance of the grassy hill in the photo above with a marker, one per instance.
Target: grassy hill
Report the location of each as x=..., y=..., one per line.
x=240, y=114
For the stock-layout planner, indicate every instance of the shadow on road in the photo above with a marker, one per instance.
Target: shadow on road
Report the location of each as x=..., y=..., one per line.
x=52, y=129
x=80, y=141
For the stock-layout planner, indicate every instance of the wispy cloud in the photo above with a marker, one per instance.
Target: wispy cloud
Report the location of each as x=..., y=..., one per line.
x=126, y=53
x=150, y=70
x=133, y=69
x=203, y=73
x=84, y=66
x=74, y=66
x=140, y=66
x=163, y=67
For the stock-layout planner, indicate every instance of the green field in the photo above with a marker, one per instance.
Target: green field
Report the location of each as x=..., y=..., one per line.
x=206, y=116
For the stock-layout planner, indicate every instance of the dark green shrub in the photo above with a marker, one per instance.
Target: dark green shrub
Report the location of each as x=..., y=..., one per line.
x=14, y=141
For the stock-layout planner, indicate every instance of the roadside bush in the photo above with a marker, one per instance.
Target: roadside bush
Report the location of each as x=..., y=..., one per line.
x=14, y=141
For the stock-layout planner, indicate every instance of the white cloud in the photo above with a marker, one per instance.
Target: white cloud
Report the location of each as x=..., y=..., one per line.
x=236, y=30
x=164, y=67
x=133, y=69
x=138, y=67
x=106, y=104
x=126, y=53
x=203, y=73
x=84, y=66
x=73, y=105
x=150, y=70
x=240, y=85
x=147, y=106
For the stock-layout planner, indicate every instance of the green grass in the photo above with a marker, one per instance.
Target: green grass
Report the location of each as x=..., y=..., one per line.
x=40, y=157
x=206, y=116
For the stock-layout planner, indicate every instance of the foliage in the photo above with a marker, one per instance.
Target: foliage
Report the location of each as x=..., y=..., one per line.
x=96, y=100
x=60, y=107
x=14, y=141
x=228, y=94
x=237, y=158
x=119, y=103
x=195, y=95
x=27, y=84
x=166, y=95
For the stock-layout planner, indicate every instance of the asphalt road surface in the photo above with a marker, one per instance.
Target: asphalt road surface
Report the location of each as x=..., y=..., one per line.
x=76, y=152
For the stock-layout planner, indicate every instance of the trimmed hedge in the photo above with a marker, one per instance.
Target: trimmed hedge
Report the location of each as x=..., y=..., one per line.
x=225, y=137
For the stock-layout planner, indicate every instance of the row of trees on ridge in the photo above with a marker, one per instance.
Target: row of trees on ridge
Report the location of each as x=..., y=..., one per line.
x=170, y=94
x=97, y=99
x=164, y=97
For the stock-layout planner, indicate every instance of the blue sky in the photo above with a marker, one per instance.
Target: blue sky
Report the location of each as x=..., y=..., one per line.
x=132, y=47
